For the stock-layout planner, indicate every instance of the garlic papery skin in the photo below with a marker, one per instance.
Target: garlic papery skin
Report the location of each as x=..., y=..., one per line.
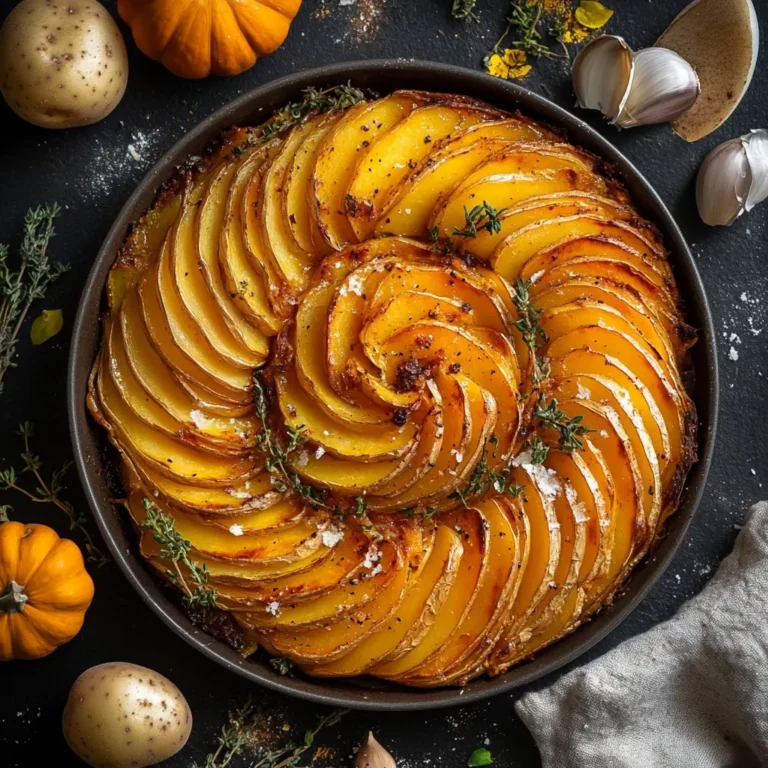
x=373, y=755
x=664, y=87
x=733, y=178
x=602, y=75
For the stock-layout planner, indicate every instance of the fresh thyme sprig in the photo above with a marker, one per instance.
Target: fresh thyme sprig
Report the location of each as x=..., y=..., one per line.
x=480, y=217
x=281, y=666
x=538, y=448
x=176, y=549
x=532, y=332
x=425, y=514
x=334, y=99
x=484, y=477
x=570, y=428
x=276, y=462
x=26, y=282
x=46, y=492
x=464, y=9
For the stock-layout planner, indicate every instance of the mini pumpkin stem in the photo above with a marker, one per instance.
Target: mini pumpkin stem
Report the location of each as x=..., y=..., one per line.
x=13, y=599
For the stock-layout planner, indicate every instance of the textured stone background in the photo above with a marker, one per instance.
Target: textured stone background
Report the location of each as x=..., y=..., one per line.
x=91, y=171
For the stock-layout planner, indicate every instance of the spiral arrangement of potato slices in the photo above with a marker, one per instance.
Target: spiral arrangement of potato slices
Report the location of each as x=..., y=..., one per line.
x=406, y=379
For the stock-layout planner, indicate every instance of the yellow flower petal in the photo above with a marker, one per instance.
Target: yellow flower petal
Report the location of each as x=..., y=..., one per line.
x=46, y=326
x=514, y=57
x=592, y=14
x=496, y=66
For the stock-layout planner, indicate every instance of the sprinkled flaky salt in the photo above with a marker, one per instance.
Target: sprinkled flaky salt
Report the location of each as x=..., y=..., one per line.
x=236, y=530
x=459, y=456
x=273, y=608
x=377, y=570
x=371, y=556
x=332, y=536
x=579, y=508
x=603, y=433
x=302, y=459
x=733, y=354
x=320, y=452
x=546, y=479
x=199, y=419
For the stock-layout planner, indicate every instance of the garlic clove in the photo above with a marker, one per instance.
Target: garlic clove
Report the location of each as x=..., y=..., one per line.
x=733, y=178
x=756, y=148
x=602, y=75
x=664, y=87
x=720, y=39
x=373, y=755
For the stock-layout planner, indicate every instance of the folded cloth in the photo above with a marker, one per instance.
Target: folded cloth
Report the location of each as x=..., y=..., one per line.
x=692, y=691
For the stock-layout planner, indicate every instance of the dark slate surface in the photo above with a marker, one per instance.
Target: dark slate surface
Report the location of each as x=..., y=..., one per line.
x=90, y=172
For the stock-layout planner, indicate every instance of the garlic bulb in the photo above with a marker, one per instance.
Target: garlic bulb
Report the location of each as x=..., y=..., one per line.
x=654, y=85
x=373, y=755
x=602, y=74
x=733, y=178
x=664, y=86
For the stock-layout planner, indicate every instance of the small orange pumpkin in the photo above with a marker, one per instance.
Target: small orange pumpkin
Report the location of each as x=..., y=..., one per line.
x=197, y=38
x=44, y=591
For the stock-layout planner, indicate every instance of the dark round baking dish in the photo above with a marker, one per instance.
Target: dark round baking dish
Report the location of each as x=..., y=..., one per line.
x=88, y=440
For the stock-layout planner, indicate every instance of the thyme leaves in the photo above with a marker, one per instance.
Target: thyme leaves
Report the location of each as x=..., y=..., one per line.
x=480, y=217
x=27, y=281
x=176, y=549
x=46, y=491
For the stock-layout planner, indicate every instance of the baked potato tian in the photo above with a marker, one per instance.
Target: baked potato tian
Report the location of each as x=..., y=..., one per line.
x=401, y=381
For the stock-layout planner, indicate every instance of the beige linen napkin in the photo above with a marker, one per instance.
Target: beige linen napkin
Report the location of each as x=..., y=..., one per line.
x=691, y=692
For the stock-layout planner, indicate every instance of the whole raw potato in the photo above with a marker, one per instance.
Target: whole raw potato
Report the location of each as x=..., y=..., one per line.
x=121, y=715
x=63, y=63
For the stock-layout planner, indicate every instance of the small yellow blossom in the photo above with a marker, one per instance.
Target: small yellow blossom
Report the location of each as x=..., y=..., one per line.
x=592, y=14
x=510, y=65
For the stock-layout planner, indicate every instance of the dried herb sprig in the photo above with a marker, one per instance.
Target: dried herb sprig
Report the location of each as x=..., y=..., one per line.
x=46, y=492
x=27, y=281
x=481, y=217
x=464, y=9
x=570, y=428
x=290, y=755
x=231, y=738
x=284, y=478
x=530, y=328
x=176, y=550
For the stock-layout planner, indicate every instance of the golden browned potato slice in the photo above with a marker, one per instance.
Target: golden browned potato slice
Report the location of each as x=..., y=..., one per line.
x=158, y=382
x=443, y=169
x=220, y=244
x=386, y=161
x=475, y=540
x=337, y=159
x=517, y=248
x=196, y=295
x=409, y=624
x=283, y=545
x=490, y=602
x=331, y=641
x=297, y=197
x=165, y=454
